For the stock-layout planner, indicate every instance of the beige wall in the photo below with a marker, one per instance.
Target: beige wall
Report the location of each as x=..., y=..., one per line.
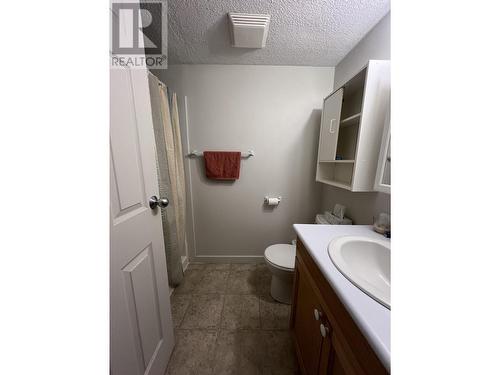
x=376, y=45
x=274, y=110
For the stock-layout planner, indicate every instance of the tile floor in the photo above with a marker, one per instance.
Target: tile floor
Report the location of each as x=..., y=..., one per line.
x=227, y=323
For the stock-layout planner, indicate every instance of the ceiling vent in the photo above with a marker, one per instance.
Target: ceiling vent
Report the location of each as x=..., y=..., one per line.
x=249, y=30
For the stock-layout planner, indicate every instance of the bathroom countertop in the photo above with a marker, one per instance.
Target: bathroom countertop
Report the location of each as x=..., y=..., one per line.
x=373, y=319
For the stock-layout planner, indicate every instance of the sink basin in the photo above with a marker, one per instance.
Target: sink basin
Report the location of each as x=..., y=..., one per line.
x=366, y=262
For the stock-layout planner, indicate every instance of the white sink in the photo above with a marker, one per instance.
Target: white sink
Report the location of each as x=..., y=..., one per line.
x=366, y=262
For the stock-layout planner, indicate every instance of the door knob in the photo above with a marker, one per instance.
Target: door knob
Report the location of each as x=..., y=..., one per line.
x=154, y=202
x=323, y=329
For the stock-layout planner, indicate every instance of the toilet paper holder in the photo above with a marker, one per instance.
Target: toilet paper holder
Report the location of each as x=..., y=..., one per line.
x=272, y=201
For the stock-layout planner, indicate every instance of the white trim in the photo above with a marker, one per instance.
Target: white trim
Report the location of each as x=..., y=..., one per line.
x=228, y=259
x=191, y=252
x=382, y=158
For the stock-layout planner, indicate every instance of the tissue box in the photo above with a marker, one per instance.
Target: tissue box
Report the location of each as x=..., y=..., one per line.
x=332, y=219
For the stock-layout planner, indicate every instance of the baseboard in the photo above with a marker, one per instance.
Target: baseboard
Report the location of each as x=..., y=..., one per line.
x=228, y=259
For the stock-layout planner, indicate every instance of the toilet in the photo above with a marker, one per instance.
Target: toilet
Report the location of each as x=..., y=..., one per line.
x=280, y=259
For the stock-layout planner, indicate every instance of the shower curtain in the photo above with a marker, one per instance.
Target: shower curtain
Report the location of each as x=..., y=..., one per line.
x=170, y=168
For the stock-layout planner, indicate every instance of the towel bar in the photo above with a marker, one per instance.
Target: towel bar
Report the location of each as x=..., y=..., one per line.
x=195, y=153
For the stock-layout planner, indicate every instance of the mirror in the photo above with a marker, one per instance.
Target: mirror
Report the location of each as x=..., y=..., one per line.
x=386, y=174
x=383, y=178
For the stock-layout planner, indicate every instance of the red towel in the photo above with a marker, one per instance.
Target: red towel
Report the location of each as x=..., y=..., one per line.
x=222, y=165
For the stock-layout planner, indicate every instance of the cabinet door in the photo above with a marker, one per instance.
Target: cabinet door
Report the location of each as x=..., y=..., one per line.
x=337, y=367
x=330, y=120
x=333, y=359
x=331, y=363
x=326, y=363
x=305, y=326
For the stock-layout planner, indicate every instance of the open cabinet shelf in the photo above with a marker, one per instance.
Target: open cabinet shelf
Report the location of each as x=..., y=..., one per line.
x=339, y=161
x=351, y=129
x=335, y=183
x=336, y=174
x=351, y=120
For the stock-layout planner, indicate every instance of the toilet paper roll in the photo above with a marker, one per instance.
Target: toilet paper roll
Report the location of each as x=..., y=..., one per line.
x=273, y=201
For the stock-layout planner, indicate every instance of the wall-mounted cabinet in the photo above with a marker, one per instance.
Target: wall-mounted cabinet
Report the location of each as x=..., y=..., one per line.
x=352, y=123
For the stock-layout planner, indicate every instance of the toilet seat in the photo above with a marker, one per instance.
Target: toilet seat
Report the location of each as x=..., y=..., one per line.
x=281, y=256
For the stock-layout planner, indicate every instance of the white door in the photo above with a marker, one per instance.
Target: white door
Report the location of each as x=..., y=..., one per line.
x=141, y=322
x=330, y=120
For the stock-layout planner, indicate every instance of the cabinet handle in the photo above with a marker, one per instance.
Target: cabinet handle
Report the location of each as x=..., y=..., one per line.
x=324, y=330
x=317, y=314
x=331, y=124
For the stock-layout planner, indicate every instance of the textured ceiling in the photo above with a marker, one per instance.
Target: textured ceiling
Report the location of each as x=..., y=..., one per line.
x=313, y=33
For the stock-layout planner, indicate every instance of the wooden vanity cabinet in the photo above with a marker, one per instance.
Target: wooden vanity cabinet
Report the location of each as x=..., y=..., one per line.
x=327, y=341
